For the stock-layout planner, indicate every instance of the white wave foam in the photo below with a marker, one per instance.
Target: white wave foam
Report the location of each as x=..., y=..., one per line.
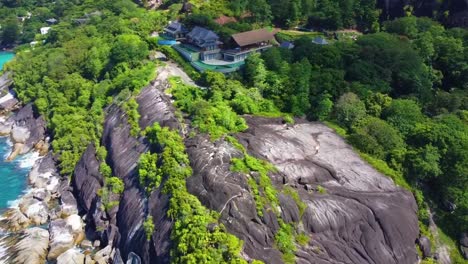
x=26, y=161
x=15, y=203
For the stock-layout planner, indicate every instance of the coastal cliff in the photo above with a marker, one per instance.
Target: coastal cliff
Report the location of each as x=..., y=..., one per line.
x=356, y=219
x=349, y=211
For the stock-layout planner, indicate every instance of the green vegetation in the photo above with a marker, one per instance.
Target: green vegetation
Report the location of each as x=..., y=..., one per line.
x=285, y=242
x=259, y=182
x=303, y=239
x=193, y=241
x=399, y=97
x=131, y=109
x=321, y=190
x=149, y=228
x=73, y=74
x=288, y=190
x=149, y=174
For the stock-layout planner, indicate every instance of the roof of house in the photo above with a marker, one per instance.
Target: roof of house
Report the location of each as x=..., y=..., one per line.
x=176, y=27
x=203, y=37
x=287, y=45
x=252, y=37
x=52, y=20
x=222, y=20
x=320, y=41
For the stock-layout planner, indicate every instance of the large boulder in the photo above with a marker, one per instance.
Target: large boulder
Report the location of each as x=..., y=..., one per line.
x=37, y=211
x=355, y=218
x=464, y=244
x=61, y=238
x=87, y=179
x=68, y=203
x=28, y=247
x=14, y=220
x=154, y=106
x=28, y=128
x=425, y=246
x=8, y=99
x=72, y=255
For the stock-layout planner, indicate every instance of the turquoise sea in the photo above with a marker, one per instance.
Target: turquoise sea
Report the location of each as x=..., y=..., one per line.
x=5, y=57
x=13, y=175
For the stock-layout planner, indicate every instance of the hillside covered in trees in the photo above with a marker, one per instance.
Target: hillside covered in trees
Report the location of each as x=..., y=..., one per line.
x=398, y=94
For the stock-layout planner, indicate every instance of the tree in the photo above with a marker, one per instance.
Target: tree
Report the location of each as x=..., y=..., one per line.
x=404, y=114
x=256, y=72
x=10, y=32
x=376, y=103
x=349, y=110
x=129, y=48
x=261, y=11
x=322, y=106
x=299, y=103
x=423, y=163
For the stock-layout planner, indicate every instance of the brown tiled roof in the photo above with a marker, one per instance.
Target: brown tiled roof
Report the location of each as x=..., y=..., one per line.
x=252, y=37
x=222, y=20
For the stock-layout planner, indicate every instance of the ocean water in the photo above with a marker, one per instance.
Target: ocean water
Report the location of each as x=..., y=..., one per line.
x=13, y=174
x=5, y=56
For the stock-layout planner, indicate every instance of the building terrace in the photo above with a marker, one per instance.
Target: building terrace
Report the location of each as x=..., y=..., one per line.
x=203, y=49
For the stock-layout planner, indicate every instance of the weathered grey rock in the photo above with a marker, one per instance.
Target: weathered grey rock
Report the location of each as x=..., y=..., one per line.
x=14, y=220
x=71, y=256
x=133, y=259
x=42, y=174
x=36, y=211
x=425, y=246
x=29, y=247
x=117, y=258
x=155, y=106
x=96, y=243
x=68, y=203
x=86, y=244
x=28, y=127
x=5, y=127
x=20, y=134
x=227, y=192
x=87, y=180
x=8, y=99
x=61, y=238
x=41, y=195
x=89, y=260
x=103, y=256
x=358, y=220
x=158, y=204
x=464, y=244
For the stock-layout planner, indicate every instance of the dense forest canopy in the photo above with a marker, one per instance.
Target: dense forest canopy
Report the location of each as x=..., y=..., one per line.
x=398, y=93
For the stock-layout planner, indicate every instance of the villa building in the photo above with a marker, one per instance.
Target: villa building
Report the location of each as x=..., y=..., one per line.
x=206, y=42
x=248, y=43
x=175, y=30
x=202, y=47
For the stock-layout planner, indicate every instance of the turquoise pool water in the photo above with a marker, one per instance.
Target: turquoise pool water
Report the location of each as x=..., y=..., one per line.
x=5, y=57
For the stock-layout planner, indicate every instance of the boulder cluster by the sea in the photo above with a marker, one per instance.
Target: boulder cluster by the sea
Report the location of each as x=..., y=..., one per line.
x=44, y=224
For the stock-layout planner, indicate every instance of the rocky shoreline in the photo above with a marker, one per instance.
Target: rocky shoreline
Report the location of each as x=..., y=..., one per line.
x=45, y=225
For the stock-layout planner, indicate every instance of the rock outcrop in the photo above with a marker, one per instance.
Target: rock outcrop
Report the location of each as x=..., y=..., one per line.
x=357, y=219
x=8, y=100
x=124, y=227
x=26, y=130
x=352, y=213
x=30, y=246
